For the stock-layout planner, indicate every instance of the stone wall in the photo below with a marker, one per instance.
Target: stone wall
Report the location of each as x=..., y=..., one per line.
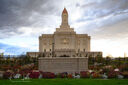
x=59, y=65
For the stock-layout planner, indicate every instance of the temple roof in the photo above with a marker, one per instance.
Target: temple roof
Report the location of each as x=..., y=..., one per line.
x=65, y=10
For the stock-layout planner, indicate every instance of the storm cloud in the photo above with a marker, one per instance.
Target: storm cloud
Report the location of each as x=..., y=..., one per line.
x=19, y=13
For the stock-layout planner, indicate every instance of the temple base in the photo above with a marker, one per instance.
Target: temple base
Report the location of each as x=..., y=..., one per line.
x=59, y=65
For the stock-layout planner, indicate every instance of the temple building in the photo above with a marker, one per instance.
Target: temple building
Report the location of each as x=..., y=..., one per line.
x=64, y=42
x=66, y=48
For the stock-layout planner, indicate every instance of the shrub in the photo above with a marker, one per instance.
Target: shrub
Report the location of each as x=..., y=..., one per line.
x=112, y=74
x=48, y=75
x=76, y=74
x=7, y=75
x=105, y=70
x=52, y=75
x=34, y=75
x=70, y=76
x=62, y=75
x=84, y=74
x=58, y=75
x=123, y=67
x=96, y=75
x=104, y=76
x=125, y=74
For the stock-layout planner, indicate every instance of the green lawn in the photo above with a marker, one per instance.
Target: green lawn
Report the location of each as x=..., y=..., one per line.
x=64, y=82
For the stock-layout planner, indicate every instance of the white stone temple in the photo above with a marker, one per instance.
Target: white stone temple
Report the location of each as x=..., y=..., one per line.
x=64, y=48
x=64, y=42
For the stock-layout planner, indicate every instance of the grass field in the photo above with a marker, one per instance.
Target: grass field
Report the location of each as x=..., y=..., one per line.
x=64, y=82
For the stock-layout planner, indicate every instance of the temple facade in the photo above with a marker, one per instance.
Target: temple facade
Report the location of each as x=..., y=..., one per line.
x=64, y=41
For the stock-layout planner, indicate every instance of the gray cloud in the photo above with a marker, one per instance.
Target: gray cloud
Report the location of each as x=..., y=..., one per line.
x=113, y=32
x=104, y=18
x=102, y=8
x=18, y=13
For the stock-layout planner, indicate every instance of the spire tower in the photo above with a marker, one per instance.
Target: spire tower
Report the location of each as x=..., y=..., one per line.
x=64, y=23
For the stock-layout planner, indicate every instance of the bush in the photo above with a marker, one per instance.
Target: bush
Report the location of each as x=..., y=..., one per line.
x=112, y=74
x=125, y=74
x=34, y=75
x=70, y=76
x=96, y=75
x=84, y=74
x=48, y=75
x=62, y=75
x=76, y=74
x=7, y=75
x=105, y=70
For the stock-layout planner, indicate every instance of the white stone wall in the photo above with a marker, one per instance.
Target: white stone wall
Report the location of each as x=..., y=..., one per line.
x=59, y=65
x=82, y=42
x=45, y=42
x=64, y=41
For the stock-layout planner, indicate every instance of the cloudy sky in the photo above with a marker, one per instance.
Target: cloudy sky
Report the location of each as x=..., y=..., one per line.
x=23, y=21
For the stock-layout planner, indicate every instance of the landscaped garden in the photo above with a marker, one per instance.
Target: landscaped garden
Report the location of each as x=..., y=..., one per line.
x=102, y=71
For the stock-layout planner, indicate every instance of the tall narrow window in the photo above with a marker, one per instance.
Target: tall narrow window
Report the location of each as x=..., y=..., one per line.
x=44, y=50
x=78, y=50
x=84, y=50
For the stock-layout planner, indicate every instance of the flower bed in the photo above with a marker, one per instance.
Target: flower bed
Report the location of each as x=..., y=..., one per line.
x=48, y=75
x=34, y=75
x=84, y=74
x=113, y=74
x=7, y=75
x=125, y=74
x=96, y=75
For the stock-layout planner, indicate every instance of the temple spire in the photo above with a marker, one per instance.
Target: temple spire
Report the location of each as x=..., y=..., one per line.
x=64, y=23
x=65, y=11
